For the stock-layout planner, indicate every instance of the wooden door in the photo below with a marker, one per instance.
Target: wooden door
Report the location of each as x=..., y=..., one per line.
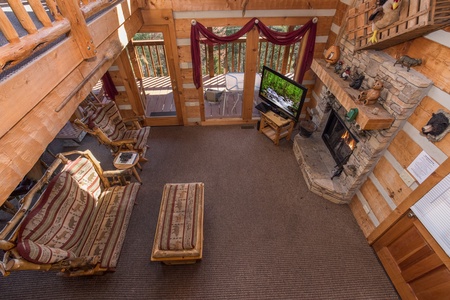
x=163, y=101
x=417, y=266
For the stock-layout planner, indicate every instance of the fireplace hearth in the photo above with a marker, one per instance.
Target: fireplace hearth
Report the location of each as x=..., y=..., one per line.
x=338, y=158
x=338, y=139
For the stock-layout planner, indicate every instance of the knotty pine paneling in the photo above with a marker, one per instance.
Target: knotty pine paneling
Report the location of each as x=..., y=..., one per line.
x=435, y=59
x=391, y=181
x=363, y=220
x=377, y=203
x=404, y=149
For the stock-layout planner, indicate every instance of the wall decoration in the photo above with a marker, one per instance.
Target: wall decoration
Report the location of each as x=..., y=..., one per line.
x=371, y=96
x=346, y=73
x=408, y=62
x=357, y=80
x=437, y=127
x=384, y=16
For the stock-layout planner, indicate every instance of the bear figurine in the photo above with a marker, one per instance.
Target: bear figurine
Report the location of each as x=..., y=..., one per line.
x=371, y=96
x=437, y=126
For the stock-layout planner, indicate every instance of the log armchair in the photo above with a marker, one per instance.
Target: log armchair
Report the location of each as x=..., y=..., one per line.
x=78, y=223
x=115, y=132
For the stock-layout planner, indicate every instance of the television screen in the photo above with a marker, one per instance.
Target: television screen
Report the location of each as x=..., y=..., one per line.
x=284, y=95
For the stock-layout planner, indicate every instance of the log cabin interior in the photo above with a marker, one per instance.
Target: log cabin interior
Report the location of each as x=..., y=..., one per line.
x=56, y=54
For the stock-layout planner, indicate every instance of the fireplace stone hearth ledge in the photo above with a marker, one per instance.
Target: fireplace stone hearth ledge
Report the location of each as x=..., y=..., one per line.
x=401, y=94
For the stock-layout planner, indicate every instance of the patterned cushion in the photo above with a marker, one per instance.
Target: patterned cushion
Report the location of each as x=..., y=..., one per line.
x=109, y=224
x=83, y=171
x=54, y=228
x=109, y=121
x=141, y=136
x=180, y=212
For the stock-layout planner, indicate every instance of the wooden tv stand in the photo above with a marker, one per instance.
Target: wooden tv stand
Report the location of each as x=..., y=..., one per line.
x=275, y=127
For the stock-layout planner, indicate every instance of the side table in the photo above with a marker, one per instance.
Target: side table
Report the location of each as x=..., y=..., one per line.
x=128, y=160
x=275, y=127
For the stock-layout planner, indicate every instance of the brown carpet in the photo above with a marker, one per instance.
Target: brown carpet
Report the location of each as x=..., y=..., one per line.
x=265, y=237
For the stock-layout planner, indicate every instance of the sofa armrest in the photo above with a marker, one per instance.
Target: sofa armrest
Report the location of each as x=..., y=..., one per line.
x=135, y=120
x=123, y=142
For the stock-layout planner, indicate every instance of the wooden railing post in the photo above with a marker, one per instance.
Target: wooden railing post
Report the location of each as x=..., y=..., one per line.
x=211, y=58
x=287, y=54
x=250, y=72
x=301, y=53
x=71, y=10
x=134, y=61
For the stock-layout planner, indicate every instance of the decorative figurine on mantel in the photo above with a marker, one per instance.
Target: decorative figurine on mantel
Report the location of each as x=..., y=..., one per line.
x=346, y=73
x=338, y=67
x=408, y=62
x=357, y=80
x=371, y=96
x=437, y=127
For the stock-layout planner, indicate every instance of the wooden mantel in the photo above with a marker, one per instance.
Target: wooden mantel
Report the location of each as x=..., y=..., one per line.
x=347, y=96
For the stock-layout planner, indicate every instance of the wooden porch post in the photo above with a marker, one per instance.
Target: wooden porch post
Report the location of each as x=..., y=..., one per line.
x=129, y=82
x=251, y=55
x=301, y=54
x=211, y=58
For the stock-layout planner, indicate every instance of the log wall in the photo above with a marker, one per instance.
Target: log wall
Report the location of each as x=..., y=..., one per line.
x=385, y=196
x=214, y=13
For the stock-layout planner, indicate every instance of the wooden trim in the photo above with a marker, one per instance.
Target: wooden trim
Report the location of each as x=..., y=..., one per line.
x=162, y=20
x=411, y=199
x=251, y=55
x=129, y=81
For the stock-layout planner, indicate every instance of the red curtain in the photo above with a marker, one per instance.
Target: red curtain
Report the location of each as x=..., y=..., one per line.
x=278, y=38
x=109, y=87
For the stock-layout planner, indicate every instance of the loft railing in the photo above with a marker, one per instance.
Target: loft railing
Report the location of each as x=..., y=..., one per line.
x=28, y=26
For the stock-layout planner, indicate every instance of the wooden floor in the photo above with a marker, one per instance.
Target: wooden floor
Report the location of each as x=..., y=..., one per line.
x=160, y=99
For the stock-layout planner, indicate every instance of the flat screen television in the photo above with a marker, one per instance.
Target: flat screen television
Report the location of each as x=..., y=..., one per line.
x=283, y=95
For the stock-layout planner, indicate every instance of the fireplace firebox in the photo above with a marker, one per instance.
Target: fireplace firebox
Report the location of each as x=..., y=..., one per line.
x=338, y=139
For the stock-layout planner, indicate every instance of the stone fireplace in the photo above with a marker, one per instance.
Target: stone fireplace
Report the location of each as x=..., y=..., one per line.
x=339, y=140
x=337, y=177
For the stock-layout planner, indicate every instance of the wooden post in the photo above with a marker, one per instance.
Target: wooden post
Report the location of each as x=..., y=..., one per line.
x=129, y=82
x=79, y=29
x=287, y=54
x=301, y=54
x=134, y=61
x=251, y=55
x=211, y=58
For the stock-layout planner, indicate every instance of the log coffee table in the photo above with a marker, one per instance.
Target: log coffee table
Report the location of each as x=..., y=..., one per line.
x=179, y=231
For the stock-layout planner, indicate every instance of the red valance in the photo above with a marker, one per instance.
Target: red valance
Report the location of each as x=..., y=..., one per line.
x=278, y=38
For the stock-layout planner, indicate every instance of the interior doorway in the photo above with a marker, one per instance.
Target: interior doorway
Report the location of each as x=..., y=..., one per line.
x=154, y=59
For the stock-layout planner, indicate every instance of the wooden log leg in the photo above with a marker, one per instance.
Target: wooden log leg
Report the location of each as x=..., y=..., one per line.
x=136, y=174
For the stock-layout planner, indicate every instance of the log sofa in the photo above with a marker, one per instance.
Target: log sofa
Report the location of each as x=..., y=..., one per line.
x=78, y=223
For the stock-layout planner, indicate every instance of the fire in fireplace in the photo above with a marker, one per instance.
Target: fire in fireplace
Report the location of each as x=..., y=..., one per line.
x=339, y=139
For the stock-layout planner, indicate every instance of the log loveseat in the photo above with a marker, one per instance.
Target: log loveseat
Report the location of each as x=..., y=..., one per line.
x=78, y=223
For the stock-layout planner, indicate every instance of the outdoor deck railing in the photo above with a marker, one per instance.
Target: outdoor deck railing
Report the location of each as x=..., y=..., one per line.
x=217, y=59
x=151, y=57
x=27, y=26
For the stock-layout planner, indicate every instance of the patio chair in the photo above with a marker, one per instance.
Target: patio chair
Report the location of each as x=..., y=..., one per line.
x=111, y=130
